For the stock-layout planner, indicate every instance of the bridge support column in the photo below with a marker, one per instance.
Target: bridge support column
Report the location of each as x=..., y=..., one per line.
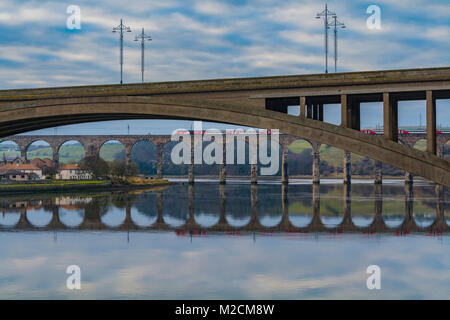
x=223, y=165
x=431, y=122
x=320, y=111
x=309, y=110
x=302, y=107
x=316, y=162
x=347, y=168
x=284, y=165
x=254, y=174
x=55, y=158
x=409, y=178
x=23, y=154
x=159, y=168
x=191, y=165
x=350, y=113
x=316, y=111
x=92, y=151
x=390, y=117
x=377, y=172
x=128, y=154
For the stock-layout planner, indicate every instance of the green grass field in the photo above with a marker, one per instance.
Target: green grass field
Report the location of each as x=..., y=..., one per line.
x=333, y=156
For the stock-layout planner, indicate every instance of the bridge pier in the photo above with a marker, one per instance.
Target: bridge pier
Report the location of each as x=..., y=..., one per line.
x=390, y=117
x=284, y=165
x=23, y=154
x=55, y=151
x=223, y=166
x=409, y=178
x=254, y=174
x=159, y=168
x=377, y=172
x=191, y=178
x=431, y=122
x=309, y=110
x=128, y=154
x=350, y=113
x=302, y=107
x=347, y=168
x=316, y=162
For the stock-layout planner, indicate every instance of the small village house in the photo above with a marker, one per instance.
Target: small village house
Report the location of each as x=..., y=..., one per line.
x=27, y=170
x=73, y=172
x=7, y=175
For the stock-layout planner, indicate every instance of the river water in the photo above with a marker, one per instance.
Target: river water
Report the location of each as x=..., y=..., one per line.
x=229, y=242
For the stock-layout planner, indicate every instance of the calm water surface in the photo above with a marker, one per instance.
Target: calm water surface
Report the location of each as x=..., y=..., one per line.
x=229, y=242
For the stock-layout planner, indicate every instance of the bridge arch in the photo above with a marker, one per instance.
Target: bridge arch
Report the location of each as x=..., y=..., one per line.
x=30, y=156
x=9, y=148
x=298, y=149
x=108, y=154
x=71, y=142
x=89, y=109
x=147, y=159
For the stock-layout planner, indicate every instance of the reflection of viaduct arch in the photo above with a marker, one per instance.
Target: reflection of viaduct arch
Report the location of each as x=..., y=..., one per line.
x=92, y=217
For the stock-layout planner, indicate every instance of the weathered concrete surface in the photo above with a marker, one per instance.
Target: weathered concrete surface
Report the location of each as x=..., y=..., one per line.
x=235, y=101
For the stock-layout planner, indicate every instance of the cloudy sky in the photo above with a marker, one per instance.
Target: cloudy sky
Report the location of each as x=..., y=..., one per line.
x=212, y=39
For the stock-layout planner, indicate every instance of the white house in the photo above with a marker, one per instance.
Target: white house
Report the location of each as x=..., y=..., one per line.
x=73, y=172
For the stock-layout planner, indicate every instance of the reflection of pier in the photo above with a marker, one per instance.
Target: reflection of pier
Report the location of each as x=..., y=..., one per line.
x=93, y=212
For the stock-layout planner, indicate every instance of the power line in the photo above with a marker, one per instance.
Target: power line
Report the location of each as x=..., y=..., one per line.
x=142, y=37
x=326, y=14
x=336, y=24
x=122, y=28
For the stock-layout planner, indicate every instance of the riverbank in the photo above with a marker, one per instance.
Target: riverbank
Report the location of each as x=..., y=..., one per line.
x=88, y=185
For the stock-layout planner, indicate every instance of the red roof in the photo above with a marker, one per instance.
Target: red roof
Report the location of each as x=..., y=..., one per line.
x=70, y=166
x=21, y=166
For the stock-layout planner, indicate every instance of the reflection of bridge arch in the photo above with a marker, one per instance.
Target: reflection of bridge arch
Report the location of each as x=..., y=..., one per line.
x=94, y=218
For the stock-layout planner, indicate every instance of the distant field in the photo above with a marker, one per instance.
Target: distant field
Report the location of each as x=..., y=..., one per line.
x=67, y=153
x=333, y=156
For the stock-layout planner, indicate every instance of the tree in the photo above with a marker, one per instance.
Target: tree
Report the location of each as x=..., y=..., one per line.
x=120, y=168
x=95, y=164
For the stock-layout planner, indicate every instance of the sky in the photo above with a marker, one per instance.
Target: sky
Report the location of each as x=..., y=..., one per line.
x=206, y=39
